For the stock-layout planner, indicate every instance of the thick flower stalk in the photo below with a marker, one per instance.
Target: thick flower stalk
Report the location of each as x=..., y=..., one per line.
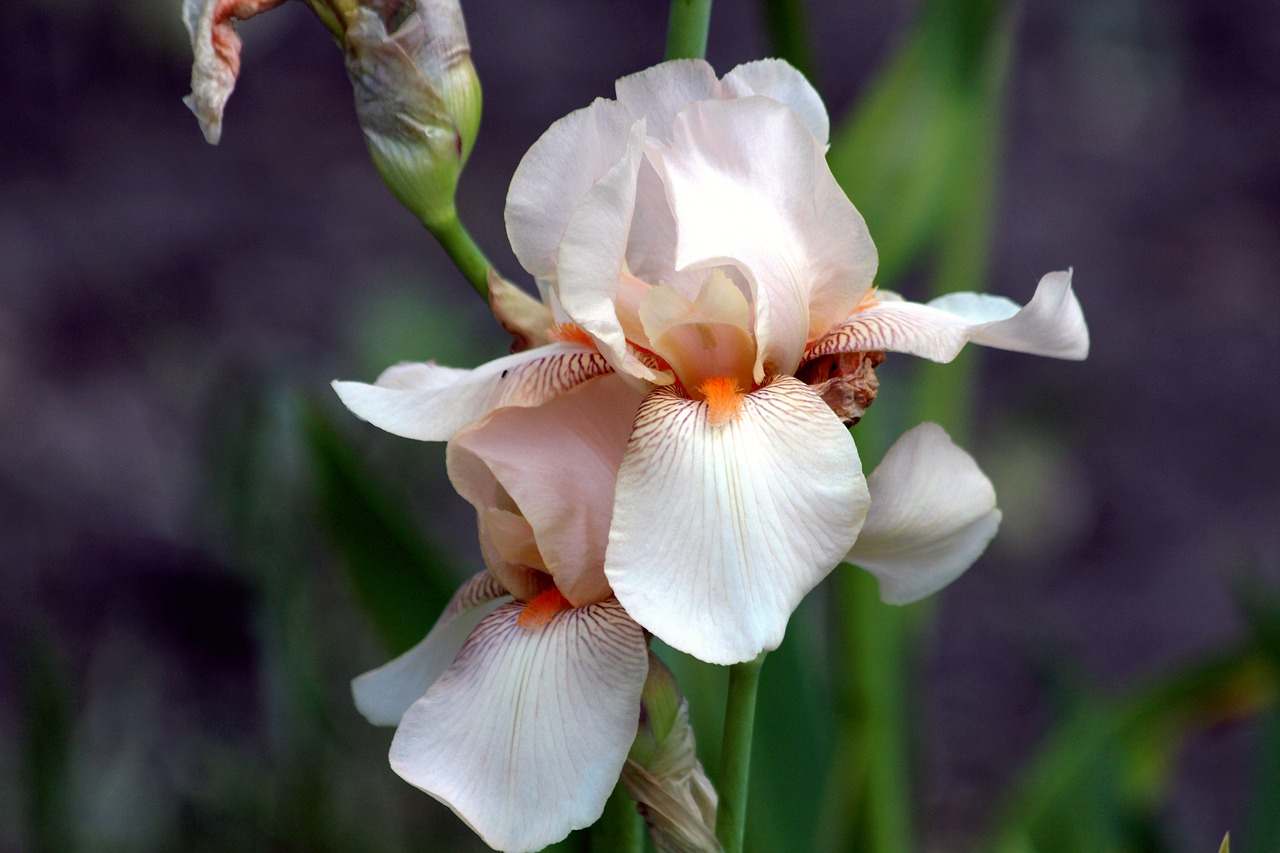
x=690, y=239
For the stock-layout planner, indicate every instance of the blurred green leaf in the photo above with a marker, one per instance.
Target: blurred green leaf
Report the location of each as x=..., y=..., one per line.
x=401, y=580
x=1096, y=781
x=1226, y=844
x=45, y=712
x=788, y=34
x=922, y=138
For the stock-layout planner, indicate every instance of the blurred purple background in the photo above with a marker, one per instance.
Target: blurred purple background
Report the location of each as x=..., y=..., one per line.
x=154, y=291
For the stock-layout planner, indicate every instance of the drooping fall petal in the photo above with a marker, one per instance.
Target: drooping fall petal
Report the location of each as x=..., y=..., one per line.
x=558, y=463
x=524, y=736
x=719, y=531
x=749, y=186
x=932, y=514
x=1051, y=324
x=430, y=402
x=385, y=693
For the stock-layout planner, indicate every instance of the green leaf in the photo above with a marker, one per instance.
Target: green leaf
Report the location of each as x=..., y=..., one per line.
x=400, y=578
x=1058, y=805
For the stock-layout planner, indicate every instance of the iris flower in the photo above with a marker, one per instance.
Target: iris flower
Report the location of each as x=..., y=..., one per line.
x=690, y=239
x=519, y=708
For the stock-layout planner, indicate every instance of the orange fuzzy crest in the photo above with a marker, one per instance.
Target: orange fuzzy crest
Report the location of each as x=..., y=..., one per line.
x=723, y=398
x=571, y=333
x=541, y=609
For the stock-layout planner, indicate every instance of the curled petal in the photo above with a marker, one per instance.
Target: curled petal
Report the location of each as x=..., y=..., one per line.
x=431, y=403
x=525, y=735
x=555, y=174
x=932, y=514
x=719, y=531
x=217, y=56
x=749, y=185
x=1051, y=324
x=526, y=319
x=592, y=258
x=559, y=463
x=385, y=693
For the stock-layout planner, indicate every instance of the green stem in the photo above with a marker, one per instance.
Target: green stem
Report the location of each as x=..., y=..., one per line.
x=619, y=829
x=687, y=29
x=464, y=253
x=735, y=754
x=788, y=34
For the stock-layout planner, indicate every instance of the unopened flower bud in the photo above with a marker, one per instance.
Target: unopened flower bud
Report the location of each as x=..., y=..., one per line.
x=417, y=97
x=662, y=773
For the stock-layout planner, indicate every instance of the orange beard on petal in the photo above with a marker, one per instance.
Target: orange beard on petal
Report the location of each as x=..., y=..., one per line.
x=723, y=397
x=541, y=609
x=571, y=333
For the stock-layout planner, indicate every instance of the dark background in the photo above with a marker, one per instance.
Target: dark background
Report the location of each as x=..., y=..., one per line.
x=175, y=654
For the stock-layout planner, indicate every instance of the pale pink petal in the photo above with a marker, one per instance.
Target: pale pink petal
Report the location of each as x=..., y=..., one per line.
x=592, y=259
x=559, y=463
x=1052, y=324
x=384, y=694
x=555, y=174
x=719, y=531
x=778, y=80
x=750, y=186
x=504, y=532
x=524, y=737
x=658, y=93
x=431, y=403
x=705, y=337
x=932, y=514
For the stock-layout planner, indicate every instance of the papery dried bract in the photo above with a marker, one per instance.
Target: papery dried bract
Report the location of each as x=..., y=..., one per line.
x=417, y=98
x=216, y=47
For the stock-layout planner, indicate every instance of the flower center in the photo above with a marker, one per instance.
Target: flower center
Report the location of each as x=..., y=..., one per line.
x=723, y=397
x=541, y=609
x=571, y=333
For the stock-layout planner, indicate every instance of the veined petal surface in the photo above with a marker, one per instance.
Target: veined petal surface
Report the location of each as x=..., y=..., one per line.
x=933, y=512
x=749, y=185
x=657, y=93
x=524, y=737
x=385, y=693
x=559, y=463
x=1051, y=324
x=719, y=531
x=431, y=403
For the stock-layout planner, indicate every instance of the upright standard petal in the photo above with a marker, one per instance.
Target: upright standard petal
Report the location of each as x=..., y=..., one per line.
x=555, y=174
x=933, y=512
x=749, y=186
x=719, y=531
x=656, y=94
x=592, y=259
x=781, y=82
x=385, y=693
x=431, y=403
x=1051, y=324
x=524, y=737
x=559, y=463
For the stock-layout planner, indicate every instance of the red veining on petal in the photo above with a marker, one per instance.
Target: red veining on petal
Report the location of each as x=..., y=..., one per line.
x=571, y=333
x=541, y=609
x=723, y=397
